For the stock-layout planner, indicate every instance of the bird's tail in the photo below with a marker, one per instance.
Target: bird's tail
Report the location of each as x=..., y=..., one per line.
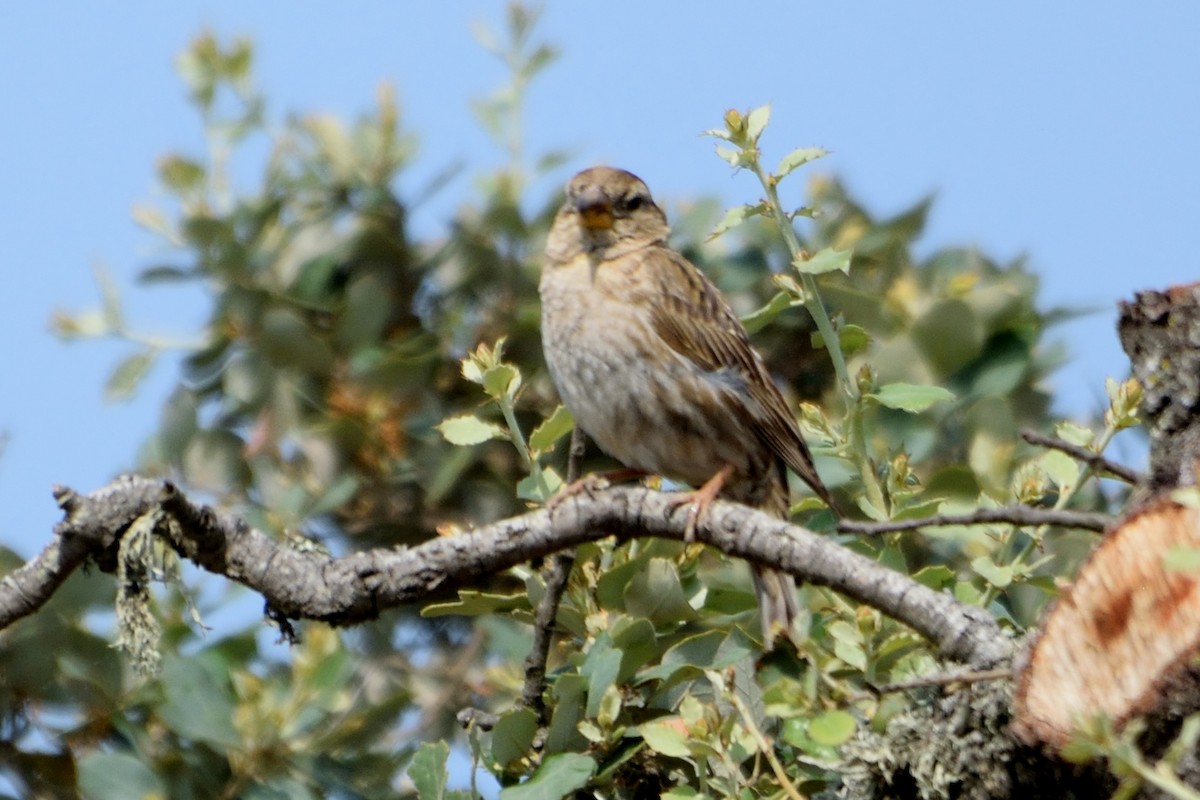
x=776, y=590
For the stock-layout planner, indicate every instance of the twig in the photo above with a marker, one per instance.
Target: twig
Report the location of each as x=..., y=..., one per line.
x=1013, y=515
x=1096, y=461
x=748, y=722
x=944, y=679
x=556, y=574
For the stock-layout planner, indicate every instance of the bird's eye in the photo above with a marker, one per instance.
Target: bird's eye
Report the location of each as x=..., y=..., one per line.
x=633, y=203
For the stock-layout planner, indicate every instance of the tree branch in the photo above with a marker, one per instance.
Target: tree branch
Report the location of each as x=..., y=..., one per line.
x=1096, y=461
x=358, y=587
x=1013, y=515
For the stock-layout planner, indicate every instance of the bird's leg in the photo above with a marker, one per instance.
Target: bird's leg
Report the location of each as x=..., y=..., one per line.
x=592, y=482
x=700, y=499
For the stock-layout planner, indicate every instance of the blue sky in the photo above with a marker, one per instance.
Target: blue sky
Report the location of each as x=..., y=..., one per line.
x=1066, y=132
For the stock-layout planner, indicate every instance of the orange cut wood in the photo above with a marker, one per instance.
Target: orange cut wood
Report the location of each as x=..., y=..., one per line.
x=1123, y=632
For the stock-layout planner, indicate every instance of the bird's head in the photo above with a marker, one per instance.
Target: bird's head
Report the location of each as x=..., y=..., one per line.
x=607, y=212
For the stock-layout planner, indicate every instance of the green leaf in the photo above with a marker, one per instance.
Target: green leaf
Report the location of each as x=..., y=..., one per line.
x=118, y=776
x=636, y=640
x=736, y=216
x=552, y=428
x=852, y=338
x=198, y=706
x=569, y=691
x=911, y=397
x=656, y=594
x=1060, y=468
x=935, y=576
x=756, y=122
x=843, y=631
x=709, y=650
x=556, y=778
x=512, y=737
x=798, y=158
x=993, y=573
x=601, y=667
x=832, y=728
x=852, y=654
x=824, y=260
x=1075, y=434
x=757, y=320
x=530, y=488
x=666, y=737
x=124, y=379
x=180, y=174
x=502, y=380
x=472, y=603
x=427, y=770
x=469, y=429
x=730, y=155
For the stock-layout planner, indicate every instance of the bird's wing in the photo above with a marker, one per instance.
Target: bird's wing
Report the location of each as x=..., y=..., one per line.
x=698, y=324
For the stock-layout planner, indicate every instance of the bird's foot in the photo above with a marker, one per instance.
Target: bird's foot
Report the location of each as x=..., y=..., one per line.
x=592, y=483
x=700, y=499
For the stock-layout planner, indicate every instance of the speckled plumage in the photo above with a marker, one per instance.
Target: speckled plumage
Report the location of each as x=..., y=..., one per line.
x=655, y=366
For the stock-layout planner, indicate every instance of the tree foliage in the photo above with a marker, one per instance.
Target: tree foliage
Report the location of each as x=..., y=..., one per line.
x=357, y=385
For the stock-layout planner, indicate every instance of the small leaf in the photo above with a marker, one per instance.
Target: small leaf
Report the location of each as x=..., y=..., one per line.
x=825, y=260
x=128, y=374
x=736, y=216
x=1060, y=468
x=911, y=397
x=730, y=155
x=473, y=603
x=117, y=776
x=180, y=174
x=656, y=594
x=512, y=737
x=853, y=338
x=757, y=320
x=502, y=380
x=756, y=122
x=832, y=728
x=667, y=737
x=843, y=631
x=468, y=430
x=198, y=705
x=552, y=428
x=1075, y=434
x=993, y=573
x=530, y=488
x=427, y=770
x=798, y=158
x=559, y=776
x=852, y=654
x=601, y=667
x=935, y=576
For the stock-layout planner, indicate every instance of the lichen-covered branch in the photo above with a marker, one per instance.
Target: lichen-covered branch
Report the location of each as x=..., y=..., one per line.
x=358, y=587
